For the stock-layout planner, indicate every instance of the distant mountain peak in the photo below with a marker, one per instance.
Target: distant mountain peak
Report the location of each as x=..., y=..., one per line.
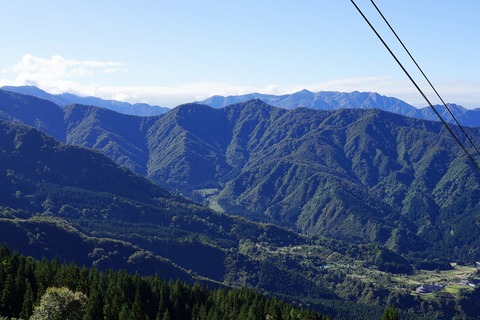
x=138, y=109
x=304, y=91
x=323, y=100
x=25, y=89
x=334, y=100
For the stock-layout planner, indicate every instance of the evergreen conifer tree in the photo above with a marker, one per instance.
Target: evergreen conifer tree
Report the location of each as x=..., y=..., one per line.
x=390, y=313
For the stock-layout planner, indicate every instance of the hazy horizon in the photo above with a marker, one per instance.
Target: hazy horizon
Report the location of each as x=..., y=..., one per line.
x=167, y=53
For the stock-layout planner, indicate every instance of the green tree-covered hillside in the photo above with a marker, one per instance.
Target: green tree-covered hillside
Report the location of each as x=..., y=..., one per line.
x=41, y=290
x=357, y=175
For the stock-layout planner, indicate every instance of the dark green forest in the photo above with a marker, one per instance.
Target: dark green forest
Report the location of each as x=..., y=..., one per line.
x=26, y=286
x=120, y=295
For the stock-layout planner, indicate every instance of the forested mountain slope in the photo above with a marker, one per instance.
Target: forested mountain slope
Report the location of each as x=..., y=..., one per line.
x=45, y=289
x=356, y=175
x=77, y=205
x=56, y=197
x=116, y=135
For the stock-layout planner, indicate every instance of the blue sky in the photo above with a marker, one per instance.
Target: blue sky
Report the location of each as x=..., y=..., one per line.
x=172, y=52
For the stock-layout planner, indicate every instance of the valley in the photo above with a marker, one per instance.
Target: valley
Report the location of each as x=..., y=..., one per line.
x=341, y=211
x=351, y=174
x=243, y=160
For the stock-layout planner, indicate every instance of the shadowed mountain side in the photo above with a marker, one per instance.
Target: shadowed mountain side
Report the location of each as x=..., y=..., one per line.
x=119, y=136
x=50, y=237
x=80, y=196
x=38, y=113
x=31, y=156
x=43, y=180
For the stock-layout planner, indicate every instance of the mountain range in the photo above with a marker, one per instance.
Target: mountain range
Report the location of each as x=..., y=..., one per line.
x=326, y=100
x=323, y=100
x=361, y=188
x=363, y=176
x=137, y=109
x=76, y=205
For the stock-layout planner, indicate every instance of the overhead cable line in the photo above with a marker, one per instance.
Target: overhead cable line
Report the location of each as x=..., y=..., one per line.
x=416, y=85
x=425, y=76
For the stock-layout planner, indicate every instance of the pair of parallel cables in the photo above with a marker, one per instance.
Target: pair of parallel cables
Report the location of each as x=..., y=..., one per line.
x=417, y=86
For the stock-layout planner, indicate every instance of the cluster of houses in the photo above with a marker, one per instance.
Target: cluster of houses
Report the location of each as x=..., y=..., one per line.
x=429, y=288
x=472, y=283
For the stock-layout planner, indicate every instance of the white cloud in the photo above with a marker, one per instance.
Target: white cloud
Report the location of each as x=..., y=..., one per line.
x=57, y=74
x=62, y=67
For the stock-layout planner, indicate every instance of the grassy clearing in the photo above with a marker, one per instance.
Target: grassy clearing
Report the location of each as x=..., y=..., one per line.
x=210, y=196
x=207, y=192
x=213, y=204
x=457, y=288
x=444, y=277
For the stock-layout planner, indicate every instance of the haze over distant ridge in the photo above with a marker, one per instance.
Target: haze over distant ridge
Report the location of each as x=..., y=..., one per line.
x=323, y=100
x=137, y=109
